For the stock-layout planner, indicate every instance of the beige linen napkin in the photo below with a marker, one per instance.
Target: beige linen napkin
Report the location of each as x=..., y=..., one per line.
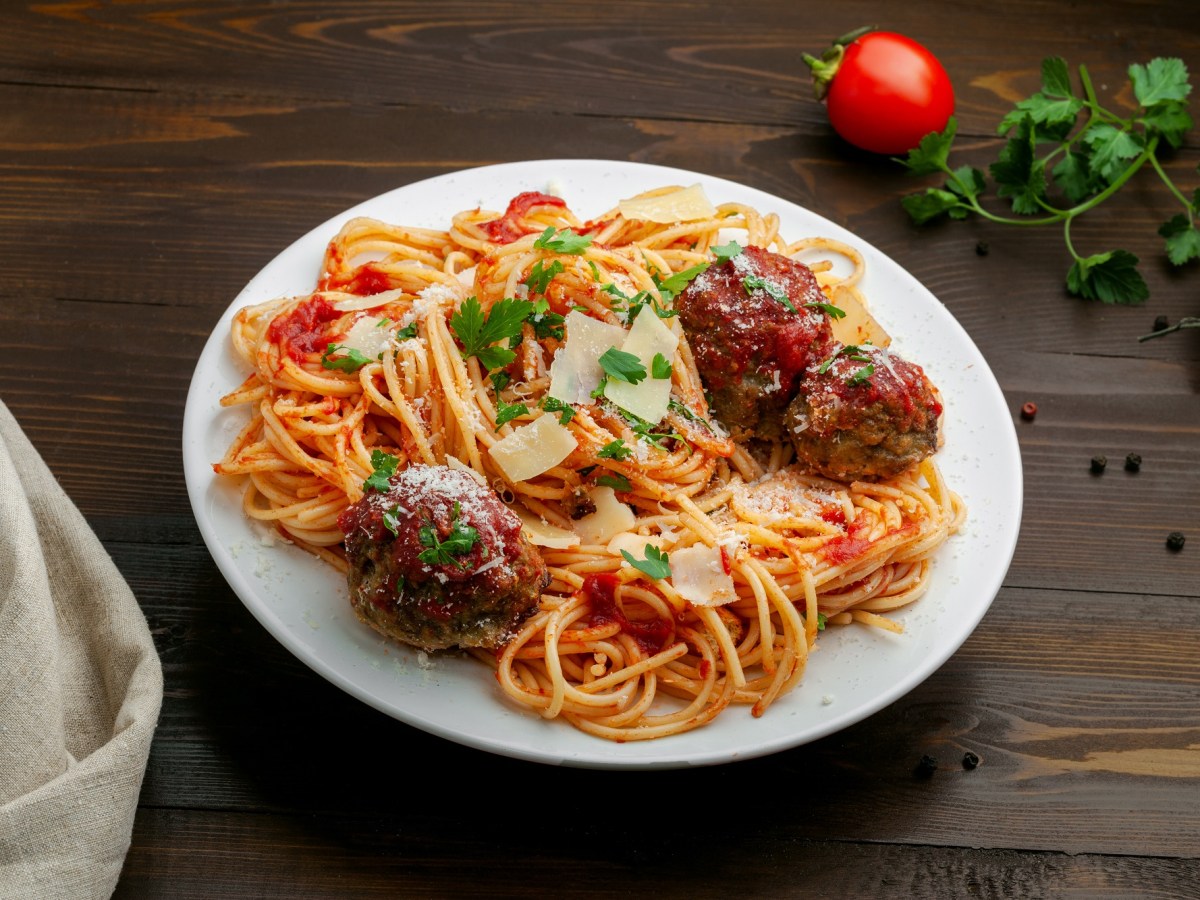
x=80, y=690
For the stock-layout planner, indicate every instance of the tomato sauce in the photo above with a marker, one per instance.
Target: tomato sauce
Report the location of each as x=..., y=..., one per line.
x=301, y=331
x=364, y=281
x=508, y=227
x=601, y=593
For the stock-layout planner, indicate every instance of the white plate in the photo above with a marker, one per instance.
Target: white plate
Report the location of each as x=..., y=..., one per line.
x=853, y=673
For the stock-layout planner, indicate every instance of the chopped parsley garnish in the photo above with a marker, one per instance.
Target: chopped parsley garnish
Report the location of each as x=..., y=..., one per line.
x=351, y=362
x=408, y=331
x=850, y=351
x=617, y=450
x=616, y=481
x=673, y=285
x=541, y=275
x=442, y=553
x=726, y=252
x=566, y=241
x=391, y=519
x=642, y=429
x=566, y=410
x=821, y=620
x=834, y=312
x=862, y=376
x=506, y=412
x=633, y=305
x=660, y=366
x=478, y=333
x=383, y=323
x=500, y=380
x=384, y=467
x=595, y=271
x=684, y=411
x=622, y=366
x=754, y=282
x=545, y=323
x=656, y=564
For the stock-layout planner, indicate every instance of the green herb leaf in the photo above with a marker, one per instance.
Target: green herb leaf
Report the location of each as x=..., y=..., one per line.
x=616, y=481
x=384, y=467
x=1018, y=174
x=566, y=410
x=351, y=362
x=458, y=542
x=545, y=323
x=617, y=450
x=622, y=366
x=726, y=252
x=1073, y=176
x=929, y=204
x=656, y=564
x=1161, y=79
x=1111, y=146
x=822, y=619
x=566, y=241
x=1183, y=240
x=673, y=285
x=540, y=276
x=1169, y=119
x=500, y=380
x=967, y=182
x=660, y=366
x=391, y=519
x=1056, y=79
x=1108, y=277
x=477, y=334
x=688, y=414
x=834, y=312
x=506, y=412
x=753, y=283
x=862, y=376
x=933, y=153
x=408, y=331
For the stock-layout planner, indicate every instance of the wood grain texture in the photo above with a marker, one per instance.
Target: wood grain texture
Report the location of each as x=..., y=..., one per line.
x=155, y=155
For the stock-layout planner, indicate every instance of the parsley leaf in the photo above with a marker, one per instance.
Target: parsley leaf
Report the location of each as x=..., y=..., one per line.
x=673, y=285
x=1073, y=176
x=834, y=312
x=459, y=541
x=617, y=450
x=506, y=412
x=660, y=366
x=566, y=241
x=726, y=252
x=566, y=410
x=933, y=153
x=656, y=563
x=500, y=380
x=687, y=413
x=477, y=334
x=752, y=283
x=391, y=519
x=622, y=366
x=821, y=620
x=1110, y=147
x=1183, y=240
x=546, y=323
x=1108, y=277
x=540, y=276
x=384, y=467
x=862, y=376
x=1159, y=80
x=351, y=362
x=616, y=481
x=408, y=331
x=929, y=204
x=1018, y=174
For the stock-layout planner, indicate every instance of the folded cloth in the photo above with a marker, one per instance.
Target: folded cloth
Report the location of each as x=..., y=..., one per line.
x=80, y=690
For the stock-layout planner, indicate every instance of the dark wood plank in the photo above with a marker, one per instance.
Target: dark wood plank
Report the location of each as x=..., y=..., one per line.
x=214, y=854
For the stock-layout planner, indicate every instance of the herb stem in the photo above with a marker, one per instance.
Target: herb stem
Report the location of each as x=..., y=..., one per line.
x=1188, y=322
x=1166, y=179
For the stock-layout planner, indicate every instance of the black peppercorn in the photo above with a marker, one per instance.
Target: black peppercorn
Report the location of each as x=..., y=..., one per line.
x=1175, y=540
x=1098, y=464
x=1161, y=323
x=981, y=248
x=970, y=760
x=1133, y=462
x=926, y=767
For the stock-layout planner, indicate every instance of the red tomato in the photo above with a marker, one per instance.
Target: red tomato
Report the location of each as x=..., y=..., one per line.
x=888, y=93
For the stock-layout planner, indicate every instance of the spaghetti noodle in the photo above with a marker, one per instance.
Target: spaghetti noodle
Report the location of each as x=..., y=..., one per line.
x=761, y=555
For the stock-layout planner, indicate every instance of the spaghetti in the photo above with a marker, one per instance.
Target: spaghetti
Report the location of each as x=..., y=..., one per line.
x=371, y=362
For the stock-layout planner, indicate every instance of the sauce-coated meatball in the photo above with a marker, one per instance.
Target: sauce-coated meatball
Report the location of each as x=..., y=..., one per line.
x=863, y=413
x=749, y=346
x=437, y=561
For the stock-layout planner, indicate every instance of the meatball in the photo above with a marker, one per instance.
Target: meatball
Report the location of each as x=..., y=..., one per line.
x=750, y=347
x=863, y=414
x=437, y=561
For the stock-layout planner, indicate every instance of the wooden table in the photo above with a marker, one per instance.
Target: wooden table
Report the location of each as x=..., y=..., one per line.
x=153, y=156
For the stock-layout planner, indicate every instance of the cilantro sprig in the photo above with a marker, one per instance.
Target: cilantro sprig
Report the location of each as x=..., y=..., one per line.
x=478, y=333
x=656, y=563
x=1093, y=153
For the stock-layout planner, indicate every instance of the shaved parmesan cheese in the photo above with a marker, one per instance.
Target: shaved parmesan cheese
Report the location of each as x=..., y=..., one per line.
x=858, y=326
x=699, y=576
x=368, y=337
x=533, y=449
x=467, y=278
x=634, y=543
x=576, y=371
x=648, y=398
x=543, y=533
x=610, y=518
x=350, y=304
x=684, y=205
